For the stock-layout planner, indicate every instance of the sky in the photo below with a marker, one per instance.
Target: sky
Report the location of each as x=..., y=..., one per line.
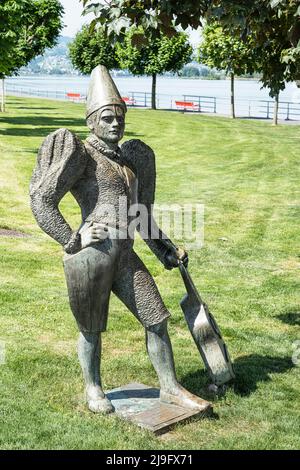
x=73, y=20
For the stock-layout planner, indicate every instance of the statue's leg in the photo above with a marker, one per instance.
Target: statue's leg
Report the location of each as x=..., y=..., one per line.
x=161, y=355
x=136, y=288
x=89, y=276
x=89, y=354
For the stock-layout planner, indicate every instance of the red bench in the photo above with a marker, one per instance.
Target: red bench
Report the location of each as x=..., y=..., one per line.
x=129, y=101
x=187, y=105
x=75, y=96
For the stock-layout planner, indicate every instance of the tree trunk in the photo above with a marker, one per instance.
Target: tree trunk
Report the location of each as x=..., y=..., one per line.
x=153, y=97
x=276, y=109
x=3, y=96
x=232, y=96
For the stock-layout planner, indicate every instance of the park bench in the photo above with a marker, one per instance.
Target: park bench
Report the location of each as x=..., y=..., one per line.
x=187, y=106
x=75, y=96
x=129, y=101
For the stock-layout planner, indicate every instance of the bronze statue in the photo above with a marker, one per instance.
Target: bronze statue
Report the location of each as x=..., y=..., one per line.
x=99, y=256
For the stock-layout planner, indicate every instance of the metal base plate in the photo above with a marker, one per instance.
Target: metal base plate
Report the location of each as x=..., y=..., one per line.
x=140, y=404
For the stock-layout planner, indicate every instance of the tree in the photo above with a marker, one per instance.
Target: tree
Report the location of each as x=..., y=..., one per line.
x=241, y=16
x=27, y=28
x=161, y=54
x=274, y=24
x=91, y=48
x=291, y=55
x=190, y=71
x=154, y=16
x=275, y=27
x=259, y=16
x=274, y=73
x=10, y=15
x=224, y=51
x=155, y=56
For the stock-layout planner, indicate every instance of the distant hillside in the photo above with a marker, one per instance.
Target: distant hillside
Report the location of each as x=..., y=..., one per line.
x=55, y=61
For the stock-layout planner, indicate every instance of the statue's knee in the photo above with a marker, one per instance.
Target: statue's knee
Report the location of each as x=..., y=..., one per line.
x=89, y=338
x=159, y=328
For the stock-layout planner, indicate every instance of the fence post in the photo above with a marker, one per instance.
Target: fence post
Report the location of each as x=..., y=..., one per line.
x=145, y=100
x=288, y=112
x=215, y=105
x=268, y=109
x=199, y=104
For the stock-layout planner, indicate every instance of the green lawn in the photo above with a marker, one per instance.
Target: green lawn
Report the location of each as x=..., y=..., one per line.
x=247, y=175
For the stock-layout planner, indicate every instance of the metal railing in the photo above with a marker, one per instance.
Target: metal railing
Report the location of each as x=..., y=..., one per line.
x=25, y=91
x=207, y=104
x=263, y=109
x=141, y=99
x=287, y=110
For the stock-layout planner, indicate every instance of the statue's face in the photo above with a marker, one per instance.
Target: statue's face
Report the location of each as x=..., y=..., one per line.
x=109, y=124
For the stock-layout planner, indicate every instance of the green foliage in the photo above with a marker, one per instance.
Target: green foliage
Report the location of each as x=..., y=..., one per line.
x=275, y=27
x=27, y=28
x=154, y=16
x=137, y=53
x=91, y=48
x=10, y=16
x=224, y=51
x=273, y=70
x=190, y=71
x=140, y=56
x=258, y=17
x=290, y=11
x=158, y=55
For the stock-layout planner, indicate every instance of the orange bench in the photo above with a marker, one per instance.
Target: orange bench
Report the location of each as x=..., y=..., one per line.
x=75, y=96
x=129, y=101
x=187, y=105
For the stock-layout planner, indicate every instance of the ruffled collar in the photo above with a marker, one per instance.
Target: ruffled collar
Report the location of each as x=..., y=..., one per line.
x=115, y=155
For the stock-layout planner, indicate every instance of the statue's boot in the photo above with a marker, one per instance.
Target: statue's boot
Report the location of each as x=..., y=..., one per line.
x=181, y=397
x=96, y=400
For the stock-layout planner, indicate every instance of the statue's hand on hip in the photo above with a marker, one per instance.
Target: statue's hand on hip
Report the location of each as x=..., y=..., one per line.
x=93, y=233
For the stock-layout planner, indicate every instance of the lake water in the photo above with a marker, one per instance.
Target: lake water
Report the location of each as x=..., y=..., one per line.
x=248, y=92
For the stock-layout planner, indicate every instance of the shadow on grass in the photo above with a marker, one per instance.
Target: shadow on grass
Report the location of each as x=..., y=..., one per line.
x=249, y=370
x=44, y=125
x=252, y=118
x=132, y=134
x=41, y=108
x=50, y=125
x=291, y=318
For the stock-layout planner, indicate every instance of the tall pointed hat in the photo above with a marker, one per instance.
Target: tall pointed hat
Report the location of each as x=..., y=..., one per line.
x=102, y=91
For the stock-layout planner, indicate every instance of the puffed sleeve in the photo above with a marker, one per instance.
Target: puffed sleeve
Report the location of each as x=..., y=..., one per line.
x=141, y=159
x=61, y=162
